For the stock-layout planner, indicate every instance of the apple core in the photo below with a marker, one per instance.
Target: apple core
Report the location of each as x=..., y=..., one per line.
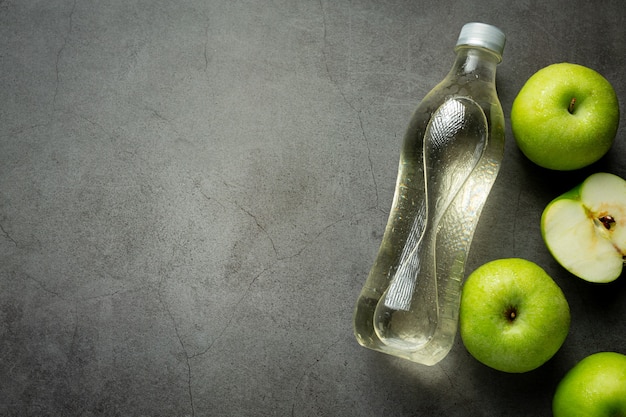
x=585, y=228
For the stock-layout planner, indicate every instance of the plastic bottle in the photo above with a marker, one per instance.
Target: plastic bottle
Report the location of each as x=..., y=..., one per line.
x=450, y=158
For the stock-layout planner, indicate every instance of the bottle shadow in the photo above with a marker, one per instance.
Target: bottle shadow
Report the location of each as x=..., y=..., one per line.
x=459, y=385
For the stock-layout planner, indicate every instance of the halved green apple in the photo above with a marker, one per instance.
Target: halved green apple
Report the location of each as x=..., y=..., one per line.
x=585, y=228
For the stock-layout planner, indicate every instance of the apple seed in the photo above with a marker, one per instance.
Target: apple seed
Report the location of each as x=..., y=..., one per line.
x=607, y=221
x=570, y=109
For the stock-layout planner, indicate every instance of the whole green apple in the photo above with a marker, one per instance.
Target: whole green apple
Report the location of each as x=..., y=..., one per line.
x=585, y=228
x=513, y=317
x=565, y=117
x=595, y=387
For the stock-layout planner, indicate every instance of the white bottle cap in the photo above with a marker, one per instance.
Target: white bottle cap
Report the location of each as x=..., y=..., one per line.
x=483, y=35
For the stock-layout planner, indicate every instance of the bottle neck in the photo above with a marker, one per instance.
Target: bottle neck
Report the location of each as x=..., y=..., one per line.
x=474, y=64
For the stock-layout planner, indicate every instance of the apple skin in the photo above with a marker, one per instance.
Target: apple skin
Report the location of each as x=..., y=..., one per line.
x=594, y=387
x=545, y=130
x=533, y=336
x=575, y=236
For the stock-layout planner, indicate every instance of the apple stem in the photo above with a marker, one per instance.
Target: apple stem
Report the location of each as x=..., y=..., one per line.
x=511, y=314
x=572, y=103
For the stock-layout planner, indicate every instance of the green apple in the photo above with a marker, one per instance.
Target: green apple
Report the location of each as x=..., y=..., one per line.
x=595, y=387
x=565, y=117
x=585, y=228
x=513, y=317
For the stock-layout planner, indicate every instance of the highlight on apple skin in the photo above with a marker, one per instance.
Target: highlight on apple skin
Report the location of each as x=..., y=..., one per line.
x=565, y=117
x=585, y=228
x=513, y=317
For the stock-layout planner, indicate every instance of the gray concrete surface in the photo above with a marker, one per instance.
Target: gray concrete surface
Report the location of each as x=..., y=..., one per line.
x=192, y=193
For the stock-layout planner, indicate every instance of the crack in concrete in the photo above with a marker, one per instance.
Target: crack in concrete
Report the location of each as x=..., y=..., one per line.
x=94, y=124
x=183, y=347
x=209, y=198
x=105, y=295
x=269, y=237
x=206, y=48
x=305, y=245
x=60, y=52
x=74, y=342
x=348, y=102
x=76, y=299
x=27, y=128
x=249, y=214
x=369, y=155
x=232, y=317
x=261, y=227
x=7, y=235
x=317, y=235
x=44, y=287
x=307, y=370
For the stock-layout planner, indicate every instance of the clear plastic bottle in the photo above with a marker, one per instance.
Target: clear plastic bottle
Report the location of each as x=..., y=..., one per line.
x=449, y=161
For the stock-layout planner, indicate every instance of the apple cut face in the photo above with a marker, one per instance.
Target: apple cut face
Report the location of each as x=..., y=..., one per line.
x=585, y=229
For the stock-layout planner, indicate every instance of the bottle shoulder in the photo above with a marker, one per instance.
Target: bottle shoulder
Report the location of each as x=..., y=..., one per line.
x=471, y=87
x=486, y=97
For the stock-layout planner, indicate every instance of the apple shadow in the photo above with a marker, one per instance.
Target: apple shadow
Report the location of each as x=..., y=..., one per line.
x=551, y=183
x=522, y=394
x=598, y=310
x=605, y=297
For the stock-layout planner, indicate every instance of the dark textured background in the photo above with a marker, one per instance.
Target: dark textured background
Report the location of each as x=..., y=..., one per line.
x=192, y=193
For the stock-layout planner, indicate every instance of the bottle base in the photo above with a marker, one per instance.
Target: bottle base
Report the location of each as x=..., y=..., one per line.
x=429, y=355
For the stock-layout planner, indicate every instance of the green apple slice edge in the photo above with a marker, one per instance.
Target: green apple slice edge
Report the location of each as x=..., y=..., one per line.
x=578, y=239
